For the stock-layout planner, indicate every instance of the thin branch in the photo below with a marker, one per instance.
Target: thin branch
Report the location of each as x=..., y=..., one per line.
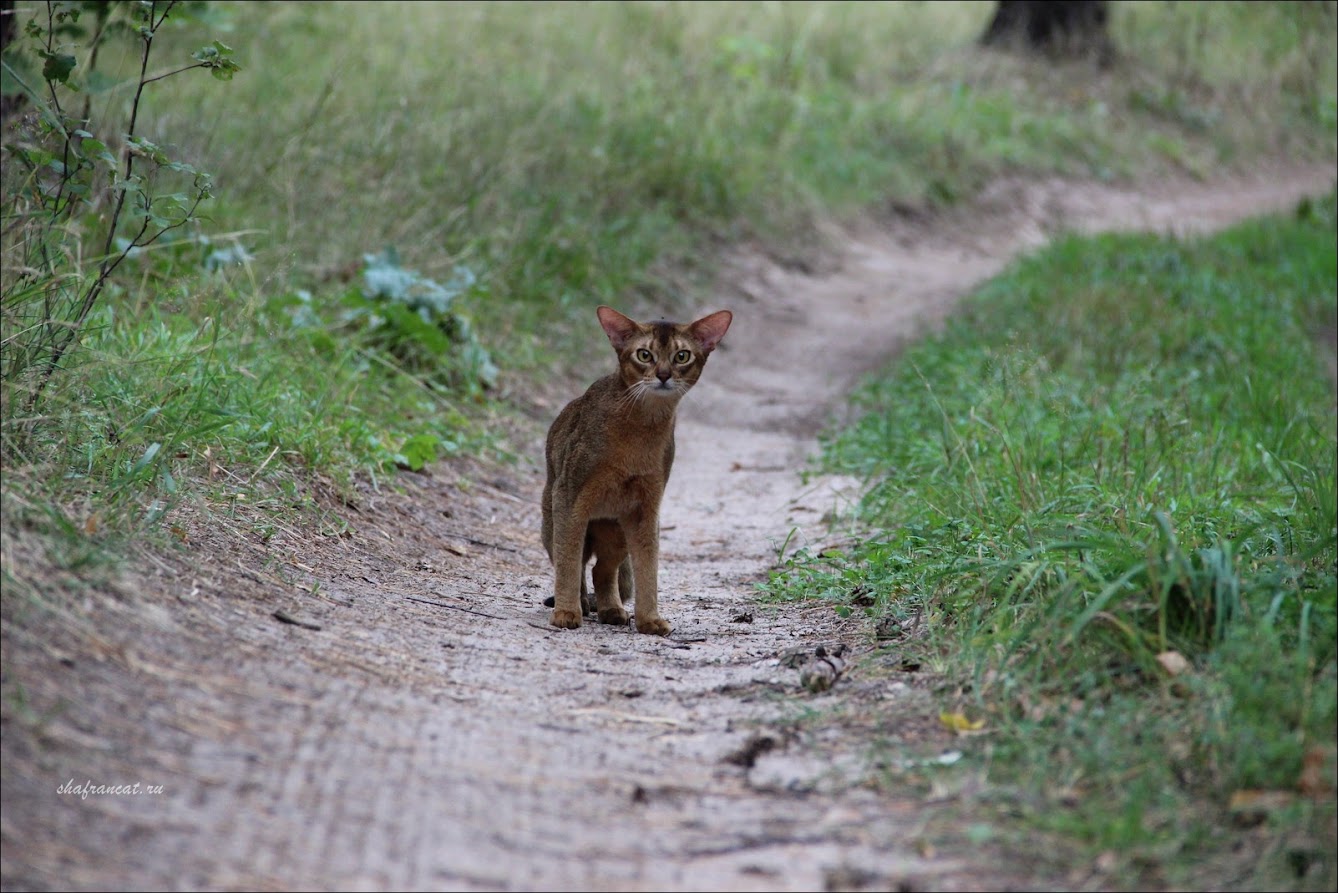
x=60, y=112
x=170, y=73
x=130, y=130
x=437, y=604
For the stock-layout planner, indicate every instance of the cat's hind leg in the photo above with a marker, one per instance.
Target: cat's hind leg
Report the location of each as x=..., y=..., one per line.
x=610, y=556
x=626, y=586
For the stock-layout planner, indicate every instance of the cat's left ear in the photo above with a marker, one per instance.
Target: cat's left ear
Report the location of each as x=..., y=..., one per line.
x=710, y=329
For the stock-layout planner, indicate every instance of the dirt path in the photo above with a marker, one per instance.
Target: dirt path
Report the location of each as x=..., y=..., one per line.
x=436, y=733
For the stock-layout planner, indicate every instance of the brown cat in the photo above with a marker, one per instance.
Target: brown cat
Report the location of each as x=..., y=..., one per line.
x=609, y=453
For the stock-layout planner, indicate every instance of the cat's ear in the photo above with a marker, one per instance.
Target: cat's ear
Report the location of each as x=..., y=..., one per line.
x=619, y=328
x=710, y=329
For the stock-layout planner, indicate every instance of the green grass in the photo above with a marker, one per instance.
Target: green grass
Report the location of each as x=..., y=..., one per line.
x=164, y=396
x=577, y=154
x=1124, y=446
x=565, y=155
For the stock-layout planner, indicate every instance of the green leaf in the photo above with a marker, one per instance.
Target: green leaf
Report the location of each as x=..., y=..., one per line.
x=418, y=451
x=58, y=66
x=145, y=148
x=146, y=459
x=215, y=57
x=96, y=148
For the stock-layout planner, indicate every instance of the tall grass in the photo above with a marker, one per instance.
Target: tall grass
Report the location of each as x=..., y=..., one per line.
x=166, y=399
x=1124, y=448
x=563, y=149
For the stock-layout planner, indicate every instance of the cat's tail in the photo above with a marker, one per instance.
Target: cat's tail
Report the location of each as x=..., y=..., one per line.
x=587, y=603
x=587, y=600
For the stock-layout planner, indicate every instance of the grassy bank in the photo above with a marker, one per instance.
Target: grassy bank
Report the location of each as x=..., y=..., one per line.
x=1104, y=500
x=571, y=154
x=526, y=162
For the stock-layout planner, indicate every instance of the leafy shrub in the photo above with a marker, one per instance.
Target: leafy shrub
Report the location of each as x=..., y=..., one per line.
x=82, y=194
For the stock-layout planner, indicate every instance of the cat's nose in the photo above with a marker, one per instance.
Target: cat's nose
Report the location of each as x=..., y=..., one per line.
x=662, y=375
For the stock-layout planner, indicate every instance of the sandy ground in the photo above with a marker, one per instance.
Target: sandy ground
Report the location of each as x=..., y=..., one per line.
x=434, y=732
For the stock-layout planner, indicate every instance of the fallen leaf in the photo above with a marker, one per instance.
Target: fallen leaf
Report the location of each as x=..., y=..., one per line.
x=1172, y=662
x=1250, y=807
x=947, y=758
x=959, y=723
x=1312, y=782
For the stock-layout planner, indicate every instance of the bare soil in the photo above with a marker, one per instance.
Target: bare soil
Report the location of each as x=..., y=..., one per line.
x=421, y=726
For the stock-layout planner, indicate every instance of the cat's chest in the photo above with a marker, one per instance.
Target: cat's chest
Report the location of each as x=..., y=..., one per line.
x=629, y=473
x=617, y=496
x=631, y=466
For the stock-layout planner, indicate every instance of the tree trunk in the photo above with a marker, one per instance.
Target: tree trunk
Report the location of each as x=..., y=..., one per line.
x=1059, y=27
x=9, y=29
x=8, y=24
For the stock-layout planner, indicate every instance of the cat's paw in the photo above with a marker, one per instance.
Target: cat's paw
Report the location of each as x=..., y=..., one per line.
x=565, y=619
x=615, y=616
x=653, y=626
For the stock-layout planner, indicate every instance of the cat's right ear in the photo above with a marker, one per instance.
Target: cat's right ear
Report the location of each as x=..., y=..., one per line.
x=619, y=328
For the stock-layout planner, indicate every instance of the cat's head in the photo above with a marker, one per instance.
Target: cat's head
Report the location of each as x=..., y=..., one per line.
x=662, y=359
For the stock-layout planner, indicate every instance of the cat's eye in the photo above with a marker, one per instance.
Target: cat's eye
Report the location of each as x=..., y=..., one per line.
x=643, y=355
x=682, y=356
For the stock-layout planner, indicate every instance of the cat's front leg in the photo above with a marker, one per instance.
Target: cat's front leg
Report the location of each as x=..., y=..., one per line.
x=568, y=545
x=643, y=546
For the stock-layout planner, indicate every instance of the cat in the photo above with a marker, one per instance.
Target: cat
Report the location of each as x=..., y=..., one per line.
x=609, y=453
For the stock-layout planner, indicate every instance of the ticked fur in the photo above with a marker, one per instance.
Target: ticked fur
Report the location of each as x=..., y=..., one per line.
x=609, y=454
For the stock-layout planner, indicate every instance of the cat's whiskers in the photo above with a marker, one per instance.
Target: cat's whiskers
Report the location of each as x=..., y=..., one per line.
x=640, y=391
x=633, y=395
